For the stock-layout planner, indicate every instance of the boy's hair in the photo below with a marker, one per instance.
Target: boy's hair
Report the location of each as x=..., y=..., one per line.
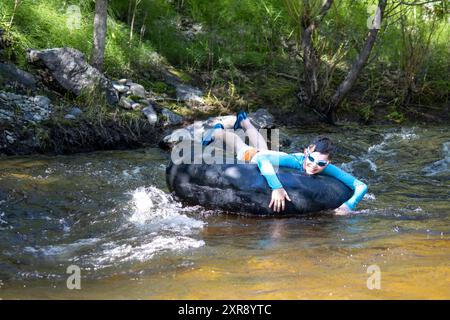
x=323, y=144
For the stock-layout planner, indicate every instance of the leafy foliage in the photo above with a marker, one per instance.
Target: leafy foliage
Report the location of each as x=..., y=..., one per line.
x=246, y=42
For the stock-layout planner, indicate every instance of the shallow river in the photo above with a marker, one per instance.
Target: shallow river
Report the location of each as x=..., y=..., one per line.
x=110, y=215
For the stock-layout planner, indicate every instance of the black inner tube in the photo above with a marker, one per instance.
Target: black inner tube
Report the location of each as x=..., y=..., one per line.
x=241, y=188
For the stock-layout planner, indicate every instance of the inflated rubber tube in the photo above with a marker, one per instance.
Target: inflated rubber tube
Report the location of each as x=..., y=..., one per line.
x=242, y=189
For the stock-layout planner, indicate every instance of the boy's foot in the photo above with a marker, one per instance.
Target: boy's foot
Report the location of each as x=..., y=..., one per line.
x=241, y=115
x=208, y=138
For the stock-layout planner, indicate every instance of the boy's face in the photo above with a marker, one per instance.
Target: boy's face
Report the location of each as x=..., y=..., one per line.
x=315, y=162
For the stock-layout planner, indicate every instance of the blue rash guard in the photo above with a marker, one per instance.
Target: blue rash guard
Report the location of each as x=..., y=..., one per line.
x=267, y=159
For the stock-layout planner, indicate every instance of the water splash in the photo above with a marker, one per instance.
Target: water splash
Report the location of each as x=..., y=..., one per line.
x=134, y=173
x=2, y=214
x=369, y=197
x=61, y=250
x=153, y=205
x=156, y=224
x=140, y=253
x=159, y=226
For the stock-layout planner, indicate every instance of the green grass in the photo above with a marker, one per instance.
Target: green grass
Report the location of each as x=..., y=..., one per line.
x=241, y=47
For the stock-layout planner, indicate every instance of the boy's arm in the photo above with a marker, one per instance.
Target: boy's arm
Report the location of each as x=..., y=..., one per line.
x=359, y=188
x=266, y=161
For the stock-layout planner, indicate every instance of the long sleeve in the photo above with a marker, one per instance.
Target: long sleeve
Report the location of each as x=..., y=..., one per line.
x=359, y=188
x=266, y=160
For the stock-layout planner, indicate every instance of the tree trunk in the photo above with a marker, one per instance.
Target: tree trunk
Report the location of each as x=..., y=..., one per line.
x=358, y=65
x=311, y=60
x=130, y=2
x=310, y=64
x=100, y=20
x=136, y=4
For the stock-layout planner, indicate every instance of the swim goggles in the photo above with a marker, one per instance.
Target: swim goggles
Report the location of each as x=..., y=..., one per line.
x=320, y=163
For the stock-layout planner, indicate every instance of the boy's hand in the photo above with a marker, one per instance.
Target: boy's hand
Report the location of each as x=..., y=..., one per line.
x=278, y=199
x=342, y=210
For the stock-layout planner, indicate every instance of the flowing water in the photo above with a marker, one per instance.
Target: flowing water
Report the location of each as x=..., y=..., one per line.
x=110, y=214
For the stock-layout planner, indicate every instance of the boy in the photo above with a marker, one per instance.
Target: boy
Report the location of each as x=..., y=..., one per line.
x=314, y=160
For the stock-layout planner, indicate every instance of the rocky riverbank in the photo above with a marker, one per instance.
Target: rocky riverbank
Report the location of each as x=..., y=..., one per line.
x=64, y=105
x=32, y=124
x=67, y=106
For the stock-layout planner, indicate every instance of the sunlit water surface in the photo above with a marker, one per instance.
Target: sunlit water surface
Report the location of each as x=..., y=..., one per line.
x=110, y=214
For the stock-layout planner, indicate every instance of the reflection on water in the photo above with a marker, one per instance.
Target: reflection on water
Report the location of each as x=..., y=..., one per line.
x=110, y=214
